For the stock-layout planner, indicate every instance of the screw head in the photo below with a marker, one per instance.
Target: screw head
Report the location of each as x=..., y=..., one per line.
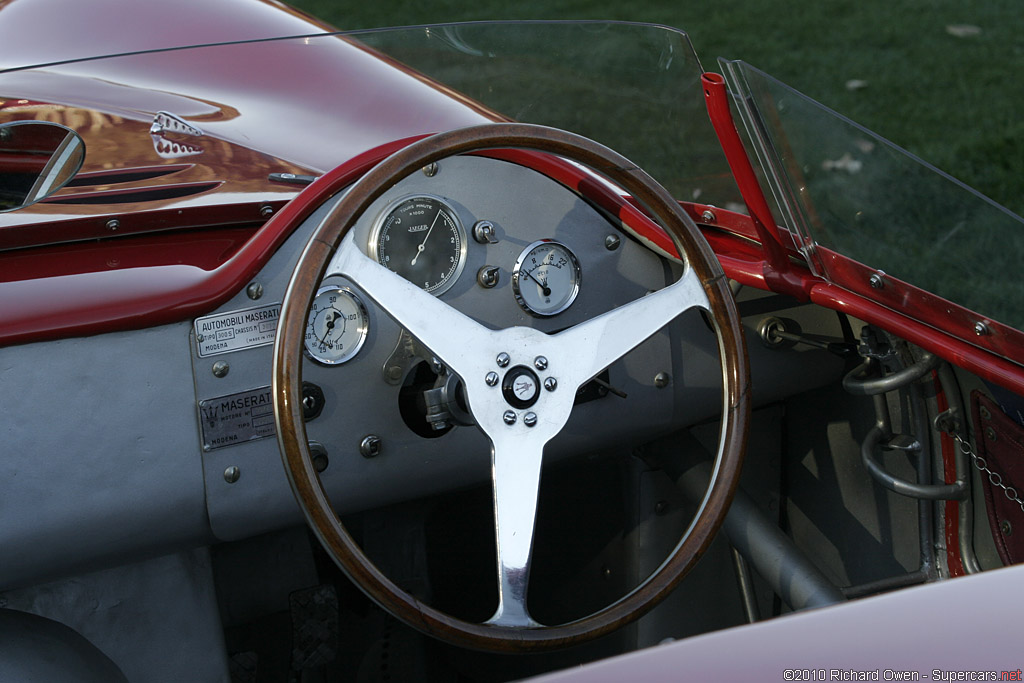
x=491, y=379
x=509, y=417
x=981, y=328
x=708, y=216
x=113, y=224
x=612, y=242
x=1006, y=527
x=550, y=383
x=662, y=379
x=503, y=360
x=232, y=474
x=254, y=291
x=221, y=368
x=430, y=170
x=266, y=211
x=877, y=280
x=540, y=362
x=530, y=419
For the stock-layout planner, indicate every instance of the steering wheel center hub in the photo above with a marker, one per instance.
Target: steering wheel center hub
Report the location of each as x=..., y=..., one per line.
x=521, y=387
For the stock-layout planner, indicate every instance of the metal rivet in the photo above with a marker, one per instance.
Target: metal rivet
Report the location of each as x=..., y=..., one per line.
x=266, y=211
x=487, y=276
x=606, y=573
x=320, y=462
x=491, y=379
x=662, y=379
x=370, y=446
x=981, y=329
x=983, y=411
x=502, y=360
x=540, y=362
x=530, y=419
x=612, y=242
x=220, y=368
x=550, y=383
x=509, y=417
x=1006, y=527
x=708, y=216
x=113, y=224
x=877, y=280
x=254, y=290
x=430, y=170
x=990, y=433
x=232, y=474
x=661, y=507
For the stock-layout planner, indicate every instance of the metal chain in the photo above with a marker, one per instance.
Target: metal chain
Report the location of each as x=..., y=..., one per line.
x=994, y=477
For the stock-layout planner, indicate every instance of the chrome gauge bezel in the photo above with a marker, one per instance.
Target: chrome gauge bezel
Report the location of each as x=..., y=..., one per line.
x=363, y=329
x=518, y=274
x=373, y=244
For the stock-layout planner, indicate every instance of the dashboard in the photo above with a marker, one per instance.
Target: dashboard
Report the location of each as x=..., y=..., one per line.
x=138, y=442
x=504, y=245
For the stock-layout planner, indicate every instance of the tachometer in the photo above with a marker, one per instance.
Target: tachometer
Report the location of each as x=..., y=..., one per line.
x=546, y=278
x=421, y=239
x=337, y=325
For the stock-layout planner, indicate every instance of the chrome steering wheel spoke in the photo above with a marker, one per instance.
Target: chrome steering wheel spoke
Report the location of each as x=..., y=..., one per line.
x=520, y=386
x=600, y=341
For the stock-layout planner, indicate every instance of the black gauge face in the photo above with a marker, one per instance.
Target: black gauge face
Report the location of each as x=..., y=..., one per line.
x=421, y=239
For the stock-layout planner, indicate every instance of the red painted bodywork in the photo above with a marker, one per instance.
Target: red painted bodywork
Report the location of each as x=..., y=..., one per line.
x=198, y=235
x=46, y=31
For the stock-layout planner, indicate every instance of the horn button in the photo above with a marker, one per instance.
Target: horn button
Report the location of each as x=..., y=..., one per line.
x=521, y=387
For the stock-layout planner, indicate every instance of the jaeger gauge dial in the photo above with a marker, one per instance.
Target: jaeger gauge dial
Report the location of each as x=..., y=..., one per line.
x=421, y=239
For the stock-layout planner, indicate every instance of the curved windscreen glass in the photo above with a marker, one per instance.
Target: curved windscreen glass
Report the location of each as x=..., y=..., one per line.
x=849, y=192
x=633, y=87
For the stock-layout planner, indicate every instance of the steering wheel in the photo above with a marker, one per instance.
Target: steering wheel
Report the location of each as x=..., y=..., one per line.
x=518, y=429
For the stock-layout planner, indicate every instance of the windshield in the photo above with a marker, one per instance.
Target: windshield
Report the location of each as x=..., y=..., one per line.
x=847, y=191
x=633, y=87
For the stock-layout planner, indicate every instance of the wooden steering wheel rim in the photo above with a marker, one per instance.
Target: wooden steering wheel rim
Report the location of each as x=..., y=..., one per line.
x=287, y=381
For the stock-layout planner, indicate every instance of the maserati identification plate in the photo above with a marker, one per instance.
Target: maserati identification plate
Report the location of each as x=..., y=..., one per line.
x=236, y=330
x=237, y=418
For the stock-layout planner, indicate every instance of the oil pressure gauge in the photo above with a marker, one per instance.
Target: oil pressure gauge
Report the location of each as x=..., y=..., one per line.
x=546, y=278
x=337, y=325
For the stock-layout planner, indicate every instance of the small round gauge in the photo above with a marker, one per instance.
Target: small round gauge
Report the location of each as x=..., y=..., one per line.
x=421, y=239
x=546, y=278
x=337, y=325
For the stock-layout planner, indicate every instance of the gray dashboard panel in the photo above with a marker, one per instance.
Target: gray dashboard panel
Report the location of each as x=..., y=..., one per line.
x=102, y=460
x=524, y=206
x=98, y=454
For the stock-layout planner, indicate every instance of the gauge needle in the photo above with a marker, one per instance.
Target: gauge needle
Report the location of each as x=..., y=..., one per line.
x=419, y=249
x=331, y=317
x=543, y=285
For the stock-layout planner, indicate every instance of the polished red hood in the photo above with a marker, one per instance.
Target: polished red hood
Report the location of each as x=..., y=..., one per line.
x=243, y=111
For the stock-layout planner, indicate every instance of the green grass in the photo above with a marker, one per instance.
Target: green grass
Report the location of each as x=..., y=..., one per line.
x=953, y=101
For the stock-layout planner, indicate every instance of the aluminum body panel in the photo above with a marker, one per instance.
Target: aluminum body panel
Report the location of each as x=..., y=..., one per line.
x=98, y=452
